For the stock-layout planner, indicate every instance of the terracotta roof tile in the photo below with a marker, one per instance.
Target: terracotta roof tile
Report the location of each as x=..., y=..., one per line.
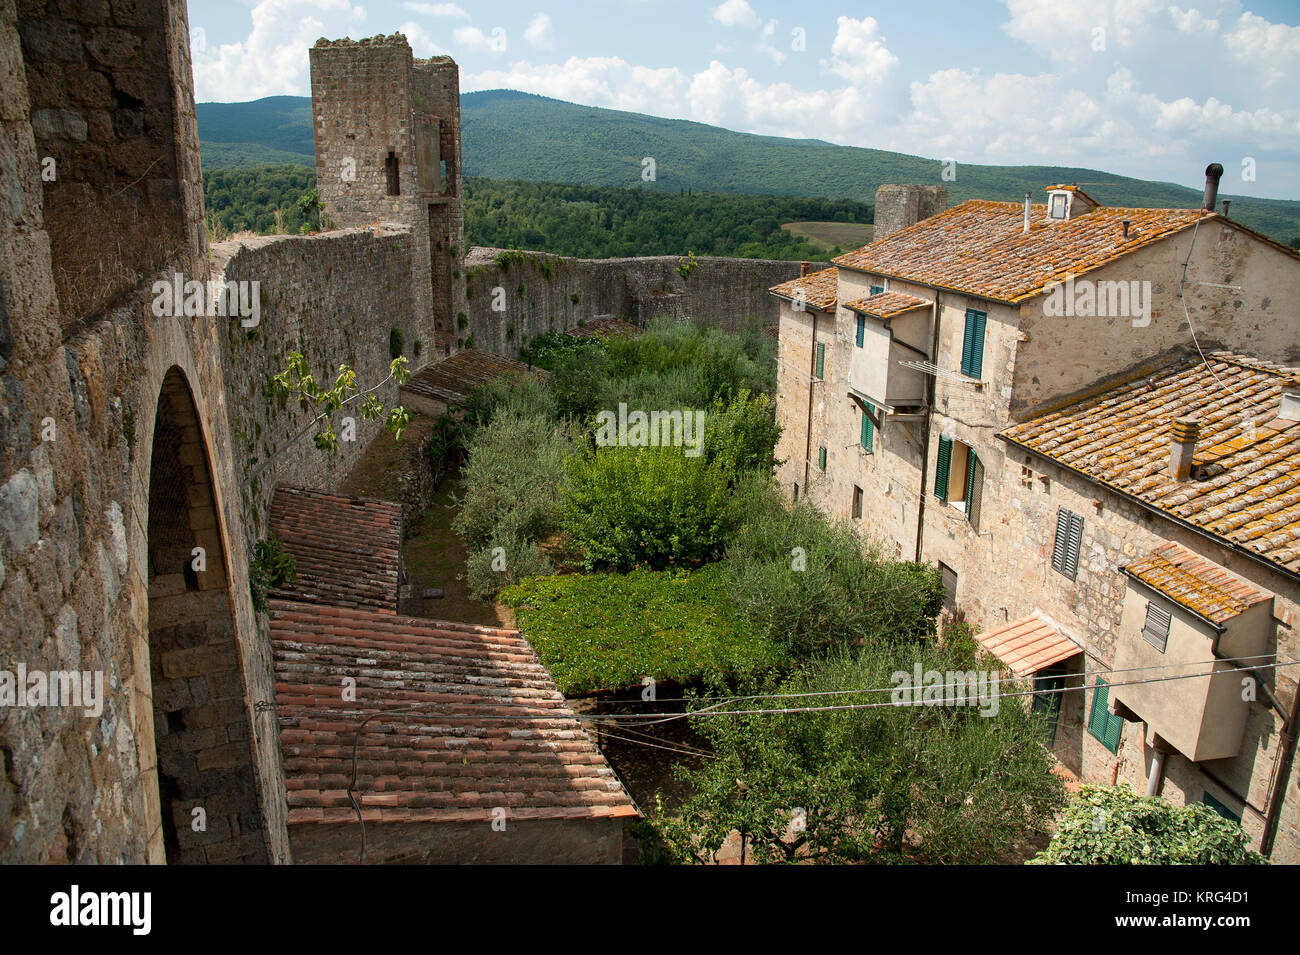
x=887, y=304
x=1195, y=583
x=452, y=379
x=467, y=720
x=1245, y=487
x=979, y=246
x=348, y=551
x=819, y=290
x=1027, y=646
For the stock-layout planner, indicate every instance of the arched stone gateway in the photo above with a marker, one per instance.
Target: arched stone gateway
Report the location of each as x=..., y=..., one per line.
x=208, y=795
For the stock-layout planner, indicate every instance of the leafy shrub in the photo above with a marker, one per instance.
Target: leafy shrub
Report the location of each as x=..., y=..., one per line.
x=882, y=784
x=644, y=507
x=445, y=443
x=512, y=480
x=546, y=349
x=808, y=583
x=604, y=632
x=520, y=397
x=271, y=567
x=1113, y=825
x=741, y=435
x=488, y=569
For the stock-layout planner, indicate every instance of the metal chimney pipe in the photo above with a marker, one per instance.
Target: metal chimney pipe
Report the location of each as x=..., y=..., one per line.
x=1126, y=225
x=1026, y=212
x=1213, y=173
x=1225, y=207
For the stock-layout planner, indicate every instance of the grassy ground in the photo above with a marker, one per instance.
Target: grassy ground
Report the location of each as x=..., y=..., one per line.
x=828, y=235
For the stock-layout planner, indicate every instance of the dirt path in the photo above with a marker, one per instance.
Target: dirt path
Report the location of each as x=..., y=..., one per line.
x=432, y=551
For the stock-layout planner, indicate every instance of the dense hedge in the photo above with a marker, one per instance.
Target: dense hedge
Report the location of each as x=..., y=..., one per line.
x=605, y=632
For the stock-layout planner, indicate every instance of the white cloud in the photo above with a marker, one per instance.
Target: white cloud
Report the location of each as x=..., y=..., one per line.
x=737, y=13
x=437, y=9
x=1272, y=48
x=594, y=81
x=273, y=59
x=539, y=32
x=422, y=44
x=765, y=45
x=472, y=38
x=1192, y=21
x=859, y=53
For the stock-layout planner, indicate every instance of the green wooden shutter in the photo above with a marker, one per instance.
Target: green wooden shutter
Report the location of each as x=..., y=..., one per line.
x=1058, y=542
x=1097, y=715
x=1104, y=725
x=868, y=429
x=1073, y=544
x=972, y=347
x=821, y=359
x=877, y=289
x=1068, y=541
x=941, y=469
x=821, y=457
x=862, y=330
x=974, y=490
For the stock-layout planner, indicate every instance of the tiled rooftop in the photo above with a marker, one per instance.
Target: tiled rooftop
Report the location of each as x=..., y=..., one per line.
x=887, y=304
x=1245, y=487
x=1195, y=583
x=979, y=246
x=1027, y=646
x=348, y=550
x=818, y=290
x=605, y=326
x=452, y=379
x=468, y=721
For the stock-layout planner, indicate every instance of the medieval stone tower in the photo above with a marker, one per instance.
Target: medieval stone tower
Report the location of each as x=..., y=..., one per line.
x=387, y=130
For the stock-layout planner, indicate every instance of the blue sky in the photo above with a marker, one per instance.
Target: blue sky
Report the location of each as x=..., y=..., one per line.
x=1140, y=87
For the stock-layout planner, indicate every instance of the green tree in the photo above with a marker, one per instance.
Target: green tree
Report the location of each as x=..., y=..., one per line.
x=1113, y=825
x=645, y=507
x=880, y=784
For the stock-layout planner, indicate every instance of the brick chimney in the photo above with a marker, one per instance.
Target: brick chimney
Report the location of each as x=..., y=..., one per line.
x=1182, y=444
x=804, y=268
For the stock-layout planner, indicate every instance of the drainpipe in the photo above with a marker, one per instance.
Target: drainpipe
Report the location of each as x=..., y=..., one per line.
x=1156, y=781
x=925, y=428
x=1292, y=729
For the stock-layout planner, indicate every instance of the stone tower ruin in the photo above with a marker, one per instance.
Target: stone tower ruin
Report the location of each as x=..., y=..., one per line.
x=387, y=130
x=901, y=207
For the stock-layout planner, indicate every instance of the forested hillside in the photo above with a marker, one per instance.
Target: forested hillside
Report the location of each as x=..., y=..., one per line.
x=508, y=135
x=585, y=221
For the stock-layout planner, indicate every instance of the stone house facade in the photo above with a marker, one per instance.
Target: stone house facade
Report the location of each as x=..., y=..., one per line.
x=942, y=338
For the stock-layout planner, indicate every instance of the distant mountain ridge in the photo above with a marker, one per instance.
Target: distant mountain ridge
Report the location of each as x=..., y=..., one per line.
x=507, y=134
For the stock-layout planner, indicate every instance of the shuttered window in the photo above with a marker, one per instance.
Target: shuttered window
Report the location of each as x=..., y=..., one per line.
x=1156, y=628
x=821, y=360
x=974, y=490
x=1220, y=808
x=862, y=330
x=821, y=457
x=972, y=348
x=1069, y=538
x=868, y=429
x=877, y=289
x=1102, y=723
x=941, y=469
